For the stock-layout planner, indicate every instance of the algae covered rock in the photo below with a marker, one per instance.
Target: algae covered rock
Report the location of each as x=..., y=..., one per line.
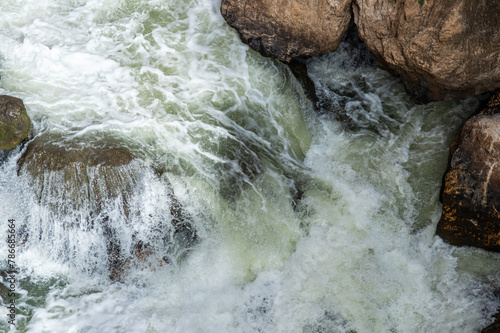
x=14, y=122
x=78, y=174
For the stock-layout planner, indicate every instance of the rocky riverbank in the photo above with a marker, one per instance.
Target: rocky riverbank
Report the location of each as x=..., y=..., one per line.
x=441, y=50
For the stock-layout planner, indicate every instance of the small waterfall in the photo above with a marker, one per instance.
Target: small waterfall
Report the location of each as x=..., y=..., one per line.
x=97, y=208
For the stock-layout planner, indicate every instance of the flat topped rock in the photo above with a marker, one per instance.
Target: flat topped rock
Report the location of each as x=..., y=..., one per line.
x=14, y=122
x=92, y=185
x=83, y=173
x=48, y=152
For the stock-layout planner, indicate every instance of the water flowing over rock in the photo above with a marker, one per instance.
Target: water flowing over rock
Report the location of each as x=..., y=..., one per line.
x=441, y=49
x=14, y=122
x=88, y=175
x=471, y=189
x=93, y=187
x=285, y=29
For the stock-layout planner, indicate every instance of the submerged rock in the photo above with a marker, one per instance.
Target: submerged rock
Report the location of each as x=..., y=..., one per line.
x=81, y=175
x=14, y=122
x=285, y=29
x=94, y=187
x=471, y=188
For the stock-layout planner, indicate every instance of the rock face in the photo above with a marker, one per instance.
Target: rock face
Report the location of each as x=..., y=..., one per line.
x=14, y=122
x=285, y=29
x=471, y=189
x=441, y=49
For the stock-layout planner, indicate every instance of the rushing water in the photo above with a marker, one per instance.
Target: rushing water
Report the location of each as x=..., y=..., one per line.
x=306, y=221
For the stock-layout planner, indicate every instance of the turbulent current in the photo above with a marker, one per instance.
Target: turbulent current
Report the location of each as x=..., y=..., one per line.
x=300, y=217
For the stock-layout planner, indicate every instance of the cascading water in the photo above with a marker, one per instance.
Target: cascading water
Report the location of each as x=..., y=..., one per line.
x=242, y=209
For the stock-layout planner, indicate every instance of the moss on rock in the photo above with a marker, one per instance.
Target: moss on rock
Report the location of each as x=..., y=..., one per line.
x=14, y=122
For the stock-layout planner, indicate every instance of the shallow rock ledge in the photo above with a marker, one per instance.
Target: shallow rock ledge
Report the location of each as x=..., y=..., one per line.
x=81, y=183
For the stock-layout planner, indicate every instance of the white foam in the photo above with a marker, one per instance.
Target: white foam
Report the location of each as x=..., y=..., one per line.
x=171, y=81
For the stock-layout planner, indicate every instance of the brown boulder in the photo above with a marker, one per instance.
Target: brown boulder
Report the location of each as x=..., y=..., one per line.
x=79, y=174
x=14, y=122
x=441, y=49
x=471, y=188
x=82, y=182
x=285, y=29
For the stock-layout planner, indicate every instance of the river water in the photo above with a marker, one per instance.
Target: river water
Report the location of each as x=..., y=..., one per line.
x=306, y=220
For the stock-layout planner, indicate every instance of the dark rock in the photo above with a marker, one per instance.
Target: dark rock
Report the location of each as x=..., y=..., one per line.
x=299, y=70
x=14, y=122
x=493, y=105
x=471, y=187
x=495, y=327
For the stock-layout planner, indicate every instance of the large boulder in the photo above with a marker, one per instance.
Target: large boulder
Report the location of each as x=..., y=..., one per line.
x=471, y=188
x=285, y=29
x=441, y=49
x=14, y=122
x=77, y=173
x=94, y=186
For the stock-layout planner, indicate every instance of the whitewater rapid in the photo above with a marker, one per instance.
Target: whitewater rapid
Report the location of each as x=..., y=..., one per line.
x=307, y=221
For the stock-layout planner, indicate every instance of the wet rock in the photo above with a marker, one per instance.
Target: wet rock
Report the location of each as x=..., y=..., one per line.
x=80, y=174
x=93, y=186
x=441, y=49
x=285, y=29
x=495, y=327
x=299, y=70
x=471, y=187
x=14, y=122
